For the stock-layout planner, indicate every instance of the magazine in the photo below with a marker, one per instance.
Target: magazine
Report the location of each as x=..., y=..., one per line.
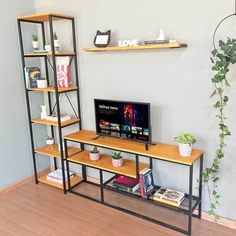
x=32, y=74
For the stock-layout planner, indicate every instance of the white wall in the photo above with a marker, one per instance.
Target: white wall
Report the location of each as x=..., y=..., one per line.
x=15, y=151
x=176, y=82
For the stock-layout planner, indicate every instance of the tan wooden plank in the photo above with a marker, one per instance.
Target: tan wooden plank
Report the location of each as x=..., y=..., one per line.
x=160, y=151
x=140, y=47
x=52, y=89
x=54, y=123
x=53, y=151
x=43, y=17
x=36, y=54
x=74, y=180
x=105, y=163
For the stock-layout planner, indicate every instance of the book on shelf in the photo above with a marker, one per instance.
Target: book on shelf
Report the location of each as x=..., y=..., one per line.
x=56, y=176
x=146, y=183
x=32, y=74
x=169, y=196
x=125, y=183
x=55, y=118
x=63, y=72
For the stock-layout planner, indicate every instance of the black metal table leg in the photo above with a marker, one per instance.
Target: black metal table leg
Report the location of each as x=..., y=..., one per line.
x=190, y=200
x=200, y=188
x=137, y=166
x=67, y=166
x=101, y=186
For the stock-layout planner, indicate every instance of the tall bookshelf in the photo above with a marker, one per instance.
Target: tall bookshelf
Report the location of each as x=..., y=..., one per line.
x=46, y=22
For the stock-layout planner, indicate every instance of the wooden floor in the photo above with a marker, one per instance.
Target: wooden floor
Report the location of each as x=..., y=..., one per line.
x=42, y=210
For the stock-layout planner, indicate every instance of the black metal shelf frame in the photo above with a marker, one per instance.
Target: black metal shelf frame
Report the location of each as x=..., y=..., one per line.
x=53, y=56
x=194, y=202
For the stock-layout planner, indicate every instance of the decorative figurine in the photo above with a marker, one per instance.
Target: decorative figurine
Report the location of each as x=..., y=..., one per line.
x=44, y=114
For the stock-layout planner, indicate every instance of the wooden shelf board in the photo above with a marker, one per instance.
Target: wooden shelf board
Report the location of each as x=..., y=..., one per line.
x=43, y=17
x=140, y=47
x=55, y=123
x=52, y=151
x=46, y=54
x=105, y=163
x=52, y=89
x=159, y=151
x=74, y=180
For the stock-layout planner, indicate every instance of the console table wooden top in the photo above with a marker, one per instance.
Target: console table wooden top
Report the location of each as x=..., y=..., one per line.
x=158, y=150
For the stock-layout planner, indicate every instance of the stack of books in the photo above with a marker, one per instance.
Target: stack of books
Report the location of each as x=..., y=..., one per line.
x=56, y=176
x=146, y=183
x=125, y=183
x=169, y=196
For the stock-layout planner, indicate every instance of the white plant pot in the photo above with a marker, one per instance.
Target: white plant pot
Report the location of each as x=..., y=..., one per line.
x=185, y=150
x=117, y=162
x=57, y=44
x=42, y=83
x=94, y=156
x=50, y=141
x=35, y=45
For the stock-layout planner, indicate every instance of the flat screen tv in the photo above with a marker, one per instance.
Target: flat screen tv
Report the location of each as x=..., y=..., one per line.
x=128, y=120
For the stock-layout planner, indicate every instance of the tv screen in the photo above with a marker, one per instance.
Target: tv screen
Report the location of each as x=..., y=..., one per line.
x=128, y=120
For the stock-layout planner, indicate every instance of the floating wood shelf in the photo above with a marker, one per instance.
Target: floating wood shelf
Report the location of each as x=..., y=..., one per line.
x=52, y=89
x=53, y=151
x=47, y=54
x=140, y=47
x=105, y=163
x=73, y=181
x=44, y=17
x=159, y=151
x=55, y=123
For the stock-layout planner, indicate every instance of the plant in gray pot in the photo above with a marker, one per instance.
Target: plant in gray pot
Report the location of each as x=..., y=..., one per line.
x=117, y=160
x=94, y=155
x=186, y=141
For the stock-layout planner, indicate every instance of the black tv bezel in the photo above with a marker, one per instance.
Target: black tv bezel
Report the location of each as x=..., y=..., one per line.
x=139, y=103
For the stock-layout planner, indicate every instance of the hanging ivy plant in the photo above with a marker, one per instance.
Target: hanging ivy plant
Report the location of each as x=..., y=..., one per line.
x=222, y=58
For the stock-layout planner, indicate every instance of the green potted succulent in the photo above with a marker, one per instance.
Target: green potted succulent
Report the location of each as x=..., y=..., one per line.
x=117, y=160
x=42, y=83
x=185, y=141
x=35, y=42
x=94, y=154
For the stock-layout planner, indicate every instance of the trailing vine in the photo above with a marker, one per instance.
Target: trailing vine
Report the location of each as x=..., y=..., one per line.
x=221, y=59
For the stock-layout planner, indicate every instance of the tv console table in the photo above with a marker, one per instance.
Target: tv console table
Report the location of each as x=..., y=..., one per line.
x=131, y=168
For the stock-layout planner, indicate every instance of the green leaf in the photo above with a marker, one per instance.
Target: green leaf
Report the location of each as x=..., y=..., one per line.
x=225, y=99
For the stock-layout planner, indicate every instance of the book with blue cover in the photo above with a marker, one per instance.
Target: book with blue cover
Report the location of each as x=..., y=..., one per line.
x=32, y=74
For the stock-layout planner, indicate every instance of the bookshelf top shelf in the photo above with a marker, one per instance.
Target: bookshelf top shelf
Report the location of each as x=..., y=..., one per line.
x=140, y=47
x=52, y=89
x=159, y=151
x=44, y=17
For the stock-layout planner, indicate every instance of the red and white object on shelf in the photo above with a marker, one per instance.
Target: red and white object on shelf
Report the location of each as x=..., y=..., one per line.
x=63, y=72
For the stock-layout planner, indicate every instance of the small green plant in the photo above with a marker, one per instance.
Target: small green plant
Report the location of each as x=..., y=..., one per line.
x=185, y=138
x=95, y=150
x=42, y=78
x=55, y=36
x=35, y=37
x=116, y=155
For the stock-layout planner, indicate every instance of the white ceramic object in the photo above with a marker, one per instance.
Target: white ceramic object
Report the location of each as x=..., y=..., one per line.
x=161, y=35
x=44, y=114
x=94, y=156
x=185, y=150
x=47, y=47
x=57, y=45
x=35, y=45
x=50, y=141
x=117, y=162
x=42, y=83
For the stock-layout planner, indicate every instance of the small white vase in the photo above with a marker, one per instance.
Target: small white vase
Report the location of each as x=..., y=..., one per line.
x=57, y=45
x=185, y=150
x=42, y=83
x=94, y=156
x=47, y=47
x=117, y=162
x=35, y=45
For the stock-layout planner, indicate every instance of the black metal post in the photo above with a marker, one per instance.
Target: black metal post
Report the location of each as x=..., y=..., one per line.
x=137, y=165
x=101, y=186
x=190, y=200
x=57, y=101
x=84, y=173
x=27, y=102
x=200, y=188
x=67, y=165
x=150, y=163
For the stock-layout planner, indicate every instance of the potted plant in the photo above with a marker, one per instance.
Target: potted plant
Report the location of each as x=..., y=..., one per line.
x=185, y=140
x=35, y=42
x=47, y=46
x=117, y=160
x=94, y=155
x=56, y=42
x=42, y=83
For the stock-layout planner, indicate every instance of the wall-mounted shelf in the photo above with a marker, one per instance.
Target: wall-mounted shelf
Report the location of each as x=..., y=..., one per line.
x=141, y=47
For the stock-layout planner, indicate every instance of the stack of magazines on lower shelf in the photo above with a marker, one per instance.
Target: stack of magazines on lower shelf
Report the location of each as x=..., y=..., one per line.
x=56, y=176
x=125, y=183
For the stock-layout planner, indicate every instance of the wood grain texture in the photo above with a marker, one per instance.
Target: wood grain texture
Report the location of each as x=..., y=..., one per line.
x=52, y=89
x=43, y=17
x=53, y=151
x=36, y=210
x=159, y=151
x=104, y=163
x=140, y=47
x=55, y=123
